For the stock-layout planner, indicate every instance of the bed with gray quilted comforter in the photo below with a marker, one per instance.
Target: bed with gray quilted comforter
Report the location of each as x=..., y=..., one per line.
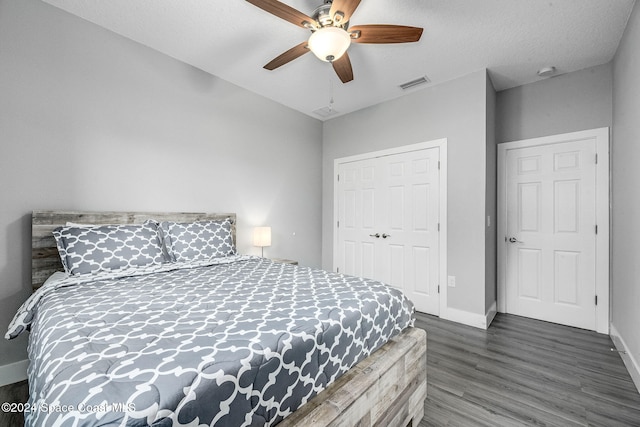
x=241, y=341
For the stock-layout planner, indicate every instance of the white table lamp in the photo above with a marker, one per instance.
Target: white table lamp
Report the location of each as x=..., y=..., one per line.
x=262, y=237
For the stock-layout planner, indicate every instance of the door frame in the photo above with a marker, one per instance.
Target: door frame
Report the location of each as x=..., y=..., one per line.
x=601, y=137
x=442, y=255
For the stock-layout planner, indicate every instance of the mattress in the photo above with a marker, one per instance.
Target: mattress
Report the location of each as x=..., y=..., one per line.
x=239, y=341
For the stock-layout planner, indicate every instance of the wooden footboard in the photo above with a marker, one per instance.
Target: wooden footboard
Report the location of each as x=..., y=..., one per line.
x=386, y=389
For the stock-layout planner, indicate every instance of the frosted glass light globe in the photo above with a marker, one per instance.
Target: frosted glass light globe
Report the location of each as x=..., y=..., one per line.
x=329, y=43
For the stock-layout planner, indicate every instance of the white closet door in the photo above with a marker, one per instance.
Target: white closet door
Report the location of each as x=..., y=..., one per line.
x=409, y=204
x=388, y=213
x=357, y=218
x=550, y=232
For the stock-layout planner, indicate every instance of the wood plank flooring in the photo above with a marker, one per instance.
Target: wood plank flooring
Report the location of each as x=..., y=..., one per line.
x=520, y=372
x=524, y=372
x=13, y=393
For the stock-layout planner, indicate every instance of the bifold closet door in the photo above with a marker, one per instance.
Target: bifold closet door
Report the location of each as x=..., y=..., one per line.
x=388, y=223
x=357, y=219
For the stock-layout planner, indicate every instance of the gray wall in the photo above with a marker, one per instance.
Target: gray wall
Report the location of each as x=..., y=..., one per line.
x=566, y=103
x=92, y=121
x=455, y=110
x=626, y=196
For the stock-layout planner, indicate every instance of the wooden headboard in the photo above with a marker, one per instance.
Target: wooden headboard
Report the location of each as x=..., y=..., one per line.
x=44, y=253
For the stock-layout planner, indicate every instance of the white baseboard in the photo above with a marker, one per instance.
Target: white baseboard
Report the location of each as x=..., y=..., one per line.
x=491, y=314
x=481, y=321
x=464, y=317
x=13, y=372
x=627, y=356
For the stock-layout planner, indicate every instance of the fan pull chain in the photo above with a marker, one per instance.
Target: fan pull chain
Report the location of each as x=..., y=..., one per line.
x=330, y=95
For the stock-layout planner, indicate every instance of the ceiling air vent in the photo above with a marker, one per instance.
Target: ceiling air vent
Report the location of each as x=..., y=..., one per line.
x=325, y=112
x=413, y=83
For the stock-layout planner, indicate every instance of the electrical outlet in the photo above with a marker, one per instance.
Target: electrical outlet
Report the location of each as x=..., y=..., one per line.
x=451, y=281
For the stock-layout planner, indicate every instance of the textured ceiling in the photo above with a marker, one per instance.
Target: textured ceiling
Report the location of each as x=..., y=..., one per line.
x=233, y=39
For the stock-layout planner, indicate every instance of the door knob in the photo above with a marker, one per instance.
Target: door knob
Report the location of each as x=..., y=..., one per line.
x=385, y=235
x=514, y=240
x=377, y=235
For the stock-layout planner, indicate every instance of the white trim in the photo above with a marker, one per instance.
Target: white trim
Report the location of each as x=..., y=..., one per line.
x=491, y=314
x=501, y=215
x=465, y=317
x=444, y=230
x=13, y=372
x=440, y=143
x=627, y=356
x=603, y=192
x=601, y=137
x=390, y=151
x=470, y=319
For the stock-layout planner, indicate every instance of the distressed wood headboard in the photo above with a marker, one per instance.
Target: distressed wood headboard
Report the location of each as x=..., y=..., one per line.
x=44, y=253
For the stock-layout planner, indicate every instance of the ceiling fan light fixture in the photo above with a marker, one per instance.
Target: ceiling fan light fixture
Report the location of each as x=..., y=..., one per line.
x=329, y=43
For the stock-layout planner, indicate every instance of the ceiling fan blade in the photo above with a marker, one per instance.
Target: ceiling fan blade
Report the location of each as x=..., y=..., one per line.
x=285, y=12
x=288, y=56
x=343, y=69
x=345, y=7
x=382, y=33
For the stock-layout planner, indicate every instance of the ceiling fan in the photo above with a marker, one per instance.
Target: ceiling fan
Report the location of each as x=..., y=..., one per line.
x=331, y=35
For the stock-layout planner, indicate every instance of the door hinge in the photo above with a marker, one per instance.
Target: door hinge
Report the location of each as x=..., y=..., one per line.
x=438, y=164
x=438, y=226
x=596, y=299
x=338, y=177
x=338, y=270
x=438, y=288
x=596, y=228
x=596, y=159
x=338, y=224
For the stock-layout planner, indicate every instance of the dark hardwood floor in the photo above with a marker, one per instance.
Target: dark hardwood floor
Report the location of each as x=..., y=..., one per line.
x=524, y=372
x=13, y=393
x=520, y=372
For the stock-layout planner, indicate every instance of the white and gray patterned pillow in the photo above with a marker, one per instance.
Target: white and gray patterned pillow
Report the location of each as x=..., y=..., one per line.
x=197, y=241
x=92, y=249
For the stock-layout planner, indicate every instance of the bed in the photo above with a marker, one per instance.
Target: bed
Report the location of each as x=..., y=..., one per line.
x=223, y=340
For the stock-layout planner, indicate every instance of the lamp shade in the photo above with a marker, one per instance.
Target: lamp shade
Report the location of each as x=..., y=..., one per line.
x=262, y=236
x=329, y=43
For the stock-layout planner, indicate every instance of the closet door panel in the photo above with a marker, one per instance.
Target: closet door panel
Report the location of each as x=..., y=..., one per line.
x=388, y=222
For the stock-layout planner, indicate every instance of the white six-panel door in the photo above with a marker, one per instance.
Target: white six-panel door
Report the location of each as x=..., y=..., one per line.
x=388, y=218
x=551, y=233
x=357, y=218
x=550, y=250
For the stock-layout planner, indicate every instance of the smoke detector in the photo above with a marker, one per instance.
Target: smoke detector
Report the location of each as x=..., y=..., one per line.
x=547, y=71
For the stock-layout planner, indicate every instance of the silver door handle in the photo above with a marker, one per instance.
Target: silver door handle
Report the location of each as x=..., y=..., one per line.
x=514, y=240
x=385, y=235
x=377, y=235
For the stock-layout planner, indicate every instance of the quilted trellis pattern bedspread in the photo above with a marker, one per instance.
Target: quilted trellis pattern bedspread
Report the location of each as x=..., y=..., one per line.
x=240, y=343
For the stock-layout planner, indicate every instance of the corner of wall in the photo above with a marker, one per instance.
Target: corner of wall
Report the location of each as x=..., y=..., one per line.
x=625, y=155
x=627, y=356
x=13, y=372
x=491, y=175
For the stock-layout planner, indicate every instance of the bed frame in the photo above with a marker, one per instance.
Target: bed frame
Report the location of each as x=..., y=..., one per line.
x=386, y=389
x=44, y=252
